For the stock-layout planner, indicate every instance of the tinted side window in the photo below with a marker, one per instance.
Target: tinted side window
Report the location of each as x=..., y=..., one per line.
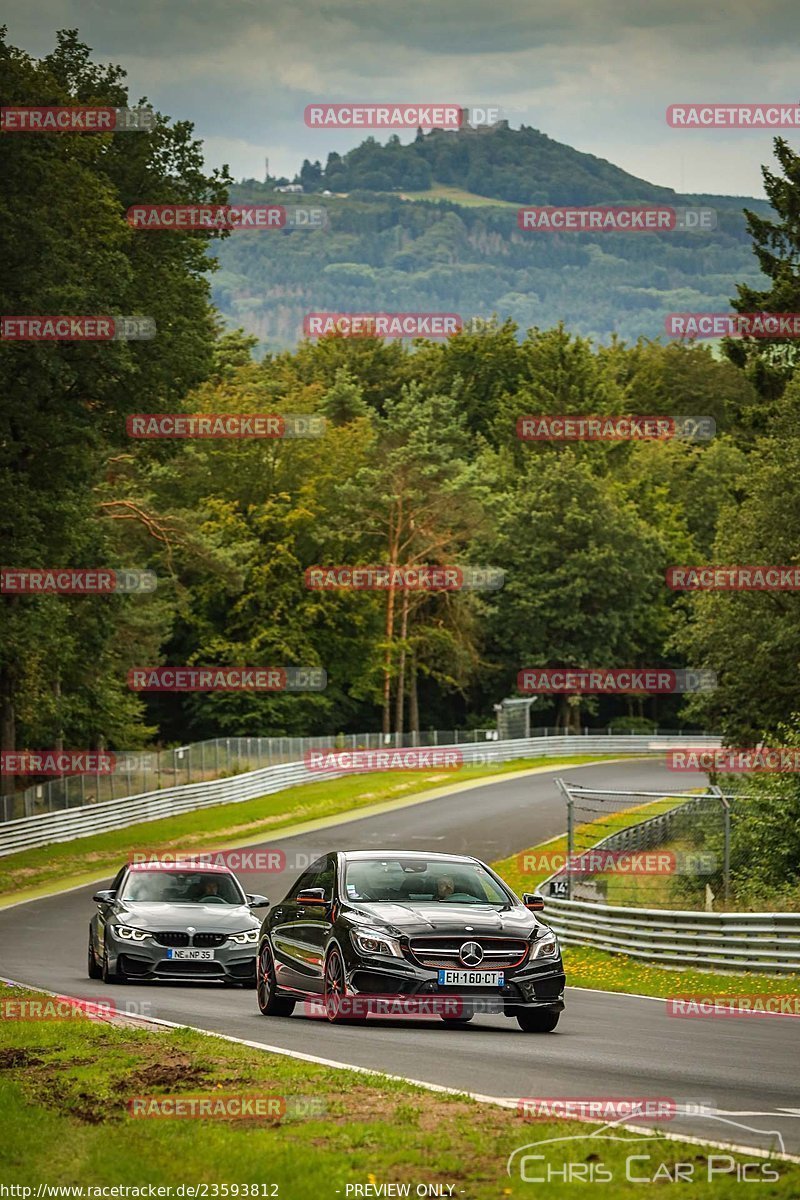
x=309, y=878
x=327, y=876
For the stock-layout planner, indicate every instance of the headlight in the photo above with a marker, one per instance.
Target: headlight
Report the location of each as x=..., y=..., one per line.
x=374, y=941
x=546, y=947
x=245, y=938
x=129, y=934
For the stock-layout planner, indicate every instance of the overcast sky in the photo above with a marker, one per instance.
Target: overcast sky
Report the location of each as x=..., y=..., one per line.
x=596, y=74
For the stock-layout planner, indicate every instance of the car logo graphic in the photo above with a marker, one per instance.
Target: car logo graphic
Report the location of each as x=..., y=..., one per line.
x=190, y=929
x=471, y=954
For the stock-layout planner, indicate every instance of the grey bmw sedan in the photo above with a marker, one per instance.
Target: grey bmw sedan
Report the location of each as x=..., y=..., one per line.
x=188, y=921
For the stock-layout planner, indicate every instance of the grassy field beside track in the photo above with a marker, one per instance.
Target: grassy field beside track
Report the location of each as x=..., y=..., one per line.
x=60, y=865
x=65, y=1087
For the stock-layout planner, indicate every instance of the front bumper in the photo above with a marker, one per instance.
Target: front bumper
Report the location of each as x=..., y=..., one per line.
x=148, y=960
x=532, y=985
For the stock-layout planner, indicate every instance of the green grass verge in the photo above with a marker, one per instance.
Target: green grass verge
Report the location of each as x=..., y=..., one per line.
x=67, y=864
x=65, y=1087
x=589, y=968
x=524, y=877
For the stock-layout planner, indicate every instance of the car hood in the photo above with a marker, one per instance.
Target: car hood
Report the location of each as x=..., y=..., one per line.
x=207, y=918
x=443, y=918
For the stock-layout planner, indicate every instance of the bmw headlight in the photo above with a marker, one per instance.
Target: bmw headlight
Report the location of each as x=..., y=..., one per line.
x=374, y=941
x=129, y=934
x=246, y=938
x=546, y=947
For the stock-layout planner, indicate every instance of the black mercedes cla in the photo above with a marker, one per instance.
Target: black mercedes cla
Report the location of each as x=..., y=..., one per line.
x=436, y=933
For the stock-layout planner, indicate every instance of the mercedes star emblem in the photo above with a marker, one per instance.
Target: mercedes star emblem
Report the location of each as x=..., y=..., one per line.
x=471, y=954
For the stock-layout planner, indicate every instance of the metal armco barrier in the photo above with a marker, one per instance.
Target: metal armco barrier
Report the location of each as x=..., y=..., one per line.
x=732, y=941
x=736, y=941
x=68, y=824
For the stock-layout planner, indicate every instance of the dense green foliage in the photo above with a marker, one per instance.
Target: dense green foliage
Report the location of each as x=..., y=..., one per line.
x=520, y=165
x=383, y=253
x=420, y=462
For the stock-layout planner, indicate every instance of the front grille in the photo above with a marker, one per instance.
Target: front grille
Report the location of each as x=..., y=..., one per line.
x=209, y=939
x=171, y=938
x=173, y=966
x=498, y=952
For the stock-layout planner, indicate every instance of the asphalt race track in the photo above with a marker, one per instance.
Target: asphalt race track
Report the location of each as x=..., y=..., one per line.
x=605, y=1045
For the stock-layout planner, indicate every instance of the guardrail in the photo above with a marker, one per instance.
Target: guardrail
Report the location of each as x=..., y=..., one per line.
x=69, y=824
x=738, y=941
x=645, y=835
x=732, y=941
x=140, y=771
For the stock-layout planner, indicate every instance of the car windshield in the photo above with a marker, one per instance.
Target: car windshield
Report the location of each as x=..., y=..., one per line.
x=421, y=881
x=182, y=887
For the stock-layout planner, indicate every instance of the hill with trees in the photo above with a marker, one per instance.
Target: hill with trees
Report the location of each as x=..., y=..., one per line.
x=383, y=252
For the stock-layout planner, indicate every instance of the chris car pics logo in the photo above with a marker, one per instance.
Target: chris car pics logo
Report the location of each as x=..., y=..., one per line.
x=578, y=1158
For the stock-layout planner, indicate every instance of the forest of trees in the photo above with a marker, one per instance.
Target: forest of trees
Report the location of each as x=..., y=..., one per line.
x=379, y=252
x=419, y=463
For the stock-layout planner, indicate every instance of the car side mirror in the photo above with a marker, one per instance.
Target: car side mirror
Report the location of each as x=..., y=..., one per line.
x=103, y=897
x=310, y=897
x=533, y=902
x=257, y=901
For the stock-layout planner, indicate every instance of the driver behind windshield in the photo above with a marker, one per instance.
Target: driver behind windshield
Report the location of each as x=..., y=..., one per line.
x=209, y=886
x=180, y=887
x=444, y=887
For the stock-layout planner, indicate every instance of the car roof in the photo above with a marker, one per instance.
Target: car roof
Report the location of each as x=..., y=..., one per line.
x=433, y=856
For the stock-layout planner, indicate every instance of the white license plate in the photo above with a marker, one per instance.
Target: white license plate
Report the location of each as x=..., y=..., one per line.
x=192, y=954
x=471, y=978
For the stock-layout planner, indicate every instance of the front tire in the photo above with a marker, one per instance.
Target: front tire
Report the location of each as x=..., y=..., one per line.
x=334, y=991
x=537, y=1020
x=269, y=1003
x=93, y=968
